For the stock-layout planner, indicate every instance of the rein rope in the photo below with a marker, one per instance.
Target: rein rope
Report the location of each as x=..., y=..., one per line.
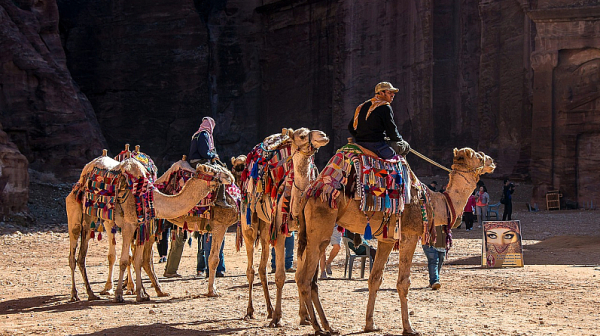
x=429, y=160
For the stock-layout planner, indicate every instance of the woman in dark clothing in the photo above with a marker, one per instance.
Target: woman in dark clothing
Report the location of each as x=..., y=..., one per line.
x=202, y=150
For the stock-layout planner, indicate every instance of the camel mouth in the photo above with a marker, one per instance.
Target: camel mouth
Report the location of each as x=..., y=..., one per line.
x=318, y=139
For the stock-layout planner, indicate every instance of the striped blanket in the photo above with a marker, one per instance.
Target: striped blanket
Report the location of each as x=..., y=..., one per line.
x=269, y=171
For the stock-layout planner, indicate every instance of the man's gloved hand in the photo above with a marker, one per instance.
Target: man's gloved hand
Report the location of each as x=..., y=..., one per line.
x=403, y=147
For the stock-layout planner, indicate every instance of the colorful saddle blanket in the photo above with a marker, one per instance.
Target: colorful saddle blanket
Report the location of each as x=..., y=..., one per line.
x=270, y=171
x=381, y=185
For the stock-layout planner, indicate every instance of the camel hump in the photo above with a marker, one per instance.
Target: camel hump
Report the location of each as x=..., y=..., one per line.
x=277, y=140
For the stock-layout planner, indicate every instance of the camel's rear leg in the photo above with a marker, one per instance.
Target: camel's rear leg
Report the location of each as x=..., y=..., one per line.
x=148, y=265
x=249, y=239
x=407, y=249
x=375, y=280
x=74, y=222
x=124, y=262
x=85, y=238
x=279, y=279
x=138, y=258
x=265, y=251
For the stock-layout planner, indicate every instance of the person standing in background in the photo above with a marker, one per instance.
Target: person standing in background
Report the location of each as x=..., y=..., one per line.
x=483, y=199
x=468, y=212
x=507, y=192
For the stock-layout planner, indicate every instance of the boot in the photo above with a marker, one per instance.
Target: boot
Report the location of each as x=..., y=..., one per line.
x=221, y=199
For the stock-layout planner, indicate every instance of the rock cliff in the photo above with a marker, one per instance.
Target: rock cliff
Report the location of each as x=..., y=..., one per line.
x=14, y=179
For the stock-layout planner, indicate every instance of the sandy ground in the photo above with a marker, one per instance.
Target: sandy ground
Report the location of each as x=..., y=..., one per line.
x=556, y=293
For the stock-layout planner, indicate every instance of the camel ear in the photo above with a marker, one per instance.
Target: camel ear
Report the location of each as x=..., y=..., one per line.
x=290, y=132
x=284, y=131
x=233, y=160
x=455, y=150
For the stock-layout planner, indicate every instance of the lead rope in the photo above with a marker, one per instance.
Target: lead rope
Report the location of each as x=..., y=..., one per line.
x=429, y=160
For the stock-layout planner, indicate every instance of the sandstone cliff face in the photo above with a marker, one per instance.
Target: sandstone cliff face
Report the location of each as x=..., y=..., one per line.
x=14, y=179
x=41, y=108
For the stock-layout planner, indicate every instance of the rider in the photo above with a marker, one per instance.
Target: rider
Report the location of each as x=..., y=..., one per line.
x=374, y=121
x=202, y=150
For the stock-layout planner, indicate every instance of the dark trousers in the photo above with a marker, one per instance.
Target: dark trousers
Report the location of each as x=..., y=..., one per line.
x=204, y=245
x=163, y=244
x=468, y=218
x=507, y=211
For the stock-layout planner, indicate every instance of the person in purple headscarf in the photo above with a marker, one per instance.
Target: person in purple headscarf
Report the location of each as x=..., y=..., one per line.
x=202, y=150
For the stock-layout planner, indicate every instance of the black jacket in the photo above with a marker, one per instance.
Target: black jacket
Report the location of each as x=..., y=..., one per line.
x=199, y=148
x=379, y=125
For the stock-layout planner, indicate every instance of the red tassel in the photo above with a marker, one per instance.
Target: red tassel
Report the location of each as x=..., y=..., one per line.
x=385, y=231
x=185, y=227
x=274, y=193
x=93, y=235
x=284, y=229
x=99, y=236
x=114, y=241
x=340, y=229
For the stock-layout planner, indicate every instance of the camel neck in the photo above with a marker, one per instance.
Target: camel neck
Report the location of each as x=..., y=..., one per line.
x=460, y=186
x=172, y=206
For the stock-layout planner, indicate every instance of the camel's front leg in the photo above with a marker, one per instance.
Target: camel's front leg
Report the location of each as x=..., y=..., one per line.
x=279, y=278
x=148, y=265
x=127, y=235
x=218, y=236
x=249, y=239
x=138, y=258
x=307, y=268
x=407, y=249
x=375, y=280
x=112, y=256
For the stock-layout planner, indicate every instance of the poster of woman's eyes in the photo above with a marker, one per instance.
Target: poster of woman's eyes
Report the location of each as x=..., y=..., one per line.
x=502, y=245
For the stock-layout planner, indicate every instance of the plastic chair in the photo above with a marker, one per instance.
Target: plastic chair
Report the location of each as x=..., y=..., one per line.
x=493, y=209
x=350, y=256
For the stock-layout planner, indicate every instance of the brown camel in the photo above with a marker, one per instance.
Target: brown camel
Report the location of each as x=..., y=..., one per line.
x=238, y=164
x=319, y=219
x=304, y=144
x=166, y=206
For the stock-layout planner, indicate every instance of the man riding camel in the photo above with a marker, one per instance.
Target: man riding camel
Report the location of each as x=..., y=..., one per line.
x=374, y=121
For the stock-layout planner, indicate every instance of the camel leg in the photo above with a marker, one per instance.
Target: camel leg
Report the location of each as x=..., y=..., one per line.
x=265, y=251
x=315, y=293
x=304, y=278
x=375, y=280
x=74, y=218
x=218, y=234
x=127, y=235
x=249, y=239
x=148, y=265
x=112, y=256
x=85, y=238
x=304, y=317
x=279, y=279
x=129, y=283
x=407, y=249
x=138, y=258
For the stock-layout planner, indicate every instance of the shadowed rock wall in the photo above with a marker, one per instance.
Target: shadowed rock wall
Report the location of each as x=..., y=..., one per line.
x=41, y=108
x=14, y=179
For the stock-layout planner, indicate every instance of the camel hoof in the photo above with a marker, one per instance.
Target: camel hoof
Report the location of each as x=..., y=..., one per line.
x=129, y=292
x=275, y=324
x=74, y=298
x=249, y=317
x=305, y=321
x=119, y=299
x=411, y=333
x=322, y=333
x=213, y=294
x=142, y=298
x=107, y=292
x=372, y=328
x=162, y=294
x=334, y=332
x=93, y=297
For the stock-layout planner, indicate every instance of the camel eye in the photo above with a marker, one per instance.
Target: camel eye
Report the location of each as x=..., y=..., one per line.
x=303, y=137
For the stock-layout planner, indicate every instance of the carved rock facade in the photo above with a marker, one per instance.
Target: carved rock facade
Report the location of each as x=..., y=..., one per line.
x=14, y=179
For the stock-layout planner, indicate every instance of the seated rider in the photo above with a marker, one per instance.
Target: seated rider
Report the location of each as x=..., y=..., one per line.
x=202, y=150
x=374, y=121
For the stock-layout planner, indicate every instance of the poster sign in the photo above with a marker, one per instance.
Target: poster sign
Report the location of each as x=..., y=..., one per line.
x=502, y=246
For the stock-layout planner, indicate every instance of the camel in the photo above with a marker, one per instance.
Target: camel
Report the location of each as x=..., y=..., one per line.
x=238, y=164
x=221, y=219
x=304, y=144
x=166, y=206
x=317, y=221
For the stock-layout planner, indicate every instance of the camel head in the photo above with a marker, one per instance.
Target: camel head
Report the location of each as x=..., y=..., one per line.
x=305, y=140
x=238, y=164
x=467, y=159
x=218, y=175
